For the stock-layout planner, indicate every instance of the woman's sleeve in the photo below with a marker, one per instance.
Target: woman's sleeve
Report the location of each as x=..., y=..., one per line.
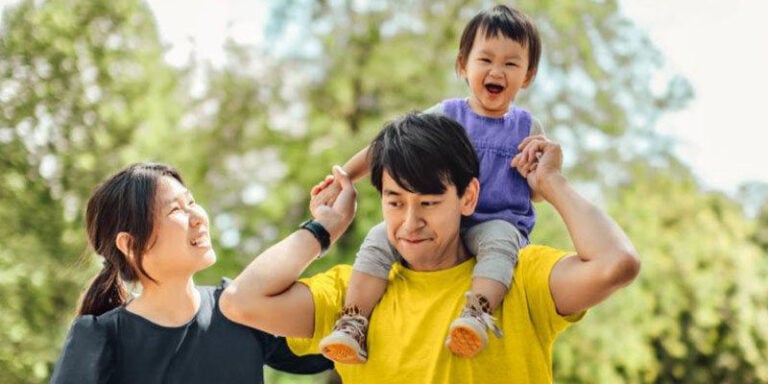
x=278, y=356
x=88, y=354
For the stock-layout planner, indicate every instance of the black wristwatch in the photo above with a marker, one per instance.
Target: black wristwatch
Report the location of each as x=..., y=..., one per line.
x=320, y=233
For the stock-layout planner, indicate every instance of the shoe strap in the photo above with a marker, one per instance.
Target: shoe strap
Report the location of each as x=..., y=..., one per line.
x=476, y=310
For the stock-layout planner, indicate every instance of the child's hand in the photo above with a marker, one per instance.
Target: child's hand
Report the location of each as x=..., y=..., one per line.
x=325, y=192
x=335, y=215
x=528, y=158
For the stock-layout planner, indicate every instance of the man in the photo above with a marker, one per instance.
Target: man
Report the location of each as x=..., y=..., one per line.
x=423, y=167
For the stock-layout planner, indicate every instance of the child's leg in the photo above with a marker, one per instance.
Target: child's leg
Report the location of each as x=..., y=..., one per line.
x=370, y=271
x=495, y=244
x=364, y=291
x=347, y=341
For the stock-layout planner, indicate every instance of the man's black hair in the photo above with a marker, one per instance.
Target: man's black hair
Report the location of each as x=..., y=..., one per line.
x=424, y=153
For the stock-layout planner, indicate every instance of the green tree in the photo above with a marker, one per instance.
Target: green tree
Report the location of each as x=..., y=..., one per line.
x=697, y=312
x=78, y=82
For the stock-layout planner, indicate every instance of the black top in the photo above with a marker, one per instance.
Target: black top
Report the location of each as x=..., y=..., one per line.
x=122, y=347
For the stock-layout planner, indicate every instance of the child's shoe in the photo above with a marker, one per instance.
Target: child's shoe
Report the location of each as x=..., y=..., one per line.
x=346, y=344
x=467, y=335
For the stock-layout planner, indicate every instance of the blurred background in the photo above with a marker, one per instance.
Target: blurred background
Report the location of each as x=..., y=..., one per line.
x=655, y=103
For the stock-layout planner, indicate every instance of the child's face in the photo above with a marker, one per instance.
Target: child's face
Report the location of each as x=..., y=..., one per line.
x=496, y=69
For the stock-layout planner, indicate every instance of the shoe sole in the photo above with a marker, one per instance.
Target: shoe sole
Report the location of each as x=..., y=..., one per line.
x=340, y=351
x=463, y=341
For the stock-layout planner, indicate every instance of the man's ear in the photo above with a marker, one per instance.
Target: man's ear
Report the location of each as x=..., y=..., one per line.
x=469, y=199
x=123, y=242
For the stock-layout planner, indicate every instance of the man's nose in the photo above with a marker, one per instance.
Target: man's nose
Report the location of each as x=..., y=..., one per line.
x=413, y=220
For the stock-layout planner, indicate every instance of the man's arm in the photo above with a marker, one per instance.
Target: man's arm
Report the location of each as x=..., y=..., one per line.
x=266, y=295
x=605, y=259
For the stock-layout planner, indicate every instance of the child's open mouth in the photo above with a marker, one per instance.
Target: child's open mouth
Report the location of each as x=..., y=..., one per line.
x=494, y=88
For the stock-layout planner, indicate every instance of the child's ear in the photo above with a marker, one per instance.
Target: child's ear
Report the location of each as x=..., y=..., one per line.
x=529, y=78
x=470, y=197
x=461, y=66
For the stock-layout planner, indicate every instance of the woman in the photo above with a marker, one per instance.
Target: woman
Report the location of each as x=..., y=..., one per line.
x=146, y=225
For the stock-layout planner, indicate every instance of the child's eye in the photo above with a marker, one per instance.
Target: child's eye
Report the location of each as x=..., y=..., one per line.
x=512, y=64
x=485, y=60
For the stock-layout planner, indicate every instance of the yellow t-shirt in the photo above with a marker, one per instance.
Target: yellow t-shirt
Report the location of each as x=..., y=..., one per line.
x=408, y=327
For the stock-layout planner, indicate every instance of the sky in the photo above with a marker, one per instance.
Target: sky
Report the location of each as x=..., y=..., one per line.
x=720, y=46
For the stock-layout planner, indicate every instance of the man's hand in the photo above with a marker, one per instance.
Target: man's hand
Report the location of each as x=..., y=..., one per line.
x=337, y=213
x=325, y=192
x=538, y=160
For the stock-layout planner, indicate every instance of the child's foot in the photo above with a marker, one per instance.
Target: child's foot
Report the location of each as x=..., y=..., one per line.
x=467, y=335
x=346, y=344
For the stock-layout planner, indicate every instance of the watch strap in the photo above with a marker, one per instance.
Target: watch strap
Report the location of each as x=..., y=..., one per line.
x=320, y=233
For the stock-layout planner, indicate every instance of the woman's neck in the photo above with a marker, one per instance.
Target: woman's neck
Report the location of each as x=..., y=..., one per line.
x=168, y=303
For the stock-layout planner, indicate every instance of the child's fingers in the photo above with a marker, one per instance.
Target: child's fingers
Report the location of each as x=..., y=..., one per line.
x=529, y=139
x=321, y=185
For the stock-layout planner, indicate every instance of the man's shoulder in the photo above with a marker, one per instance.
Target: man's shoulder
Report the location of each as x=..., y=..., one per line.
x=538, y=258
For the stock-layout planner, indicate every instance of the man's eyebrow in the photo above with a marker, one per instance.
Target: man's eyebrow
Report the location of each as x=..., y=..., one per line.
x=389, y=192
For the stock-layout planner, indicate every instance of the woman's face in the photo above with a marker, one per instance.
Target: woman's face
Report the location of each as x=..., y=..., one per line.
x=181, y=243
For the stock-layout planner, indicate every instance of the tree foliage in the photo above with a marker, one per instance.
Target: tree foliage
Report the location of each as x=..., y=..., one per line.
x=78, y=81
x=84, y=90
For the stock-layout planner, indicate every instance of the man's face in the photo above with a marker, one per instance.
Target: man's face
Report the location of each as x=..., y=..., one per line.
x=425, y=228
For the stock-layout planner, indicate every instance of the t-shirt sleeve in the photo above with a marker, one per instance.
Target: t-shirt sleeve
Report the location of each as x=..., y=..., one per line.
x=88, y=354
x=328, y=290
x=536, y=263
x=280, y=357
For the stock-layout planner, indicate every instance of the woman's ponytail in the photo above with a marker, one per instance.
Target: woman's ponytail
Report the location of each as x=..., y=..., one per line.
x=105, y=293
